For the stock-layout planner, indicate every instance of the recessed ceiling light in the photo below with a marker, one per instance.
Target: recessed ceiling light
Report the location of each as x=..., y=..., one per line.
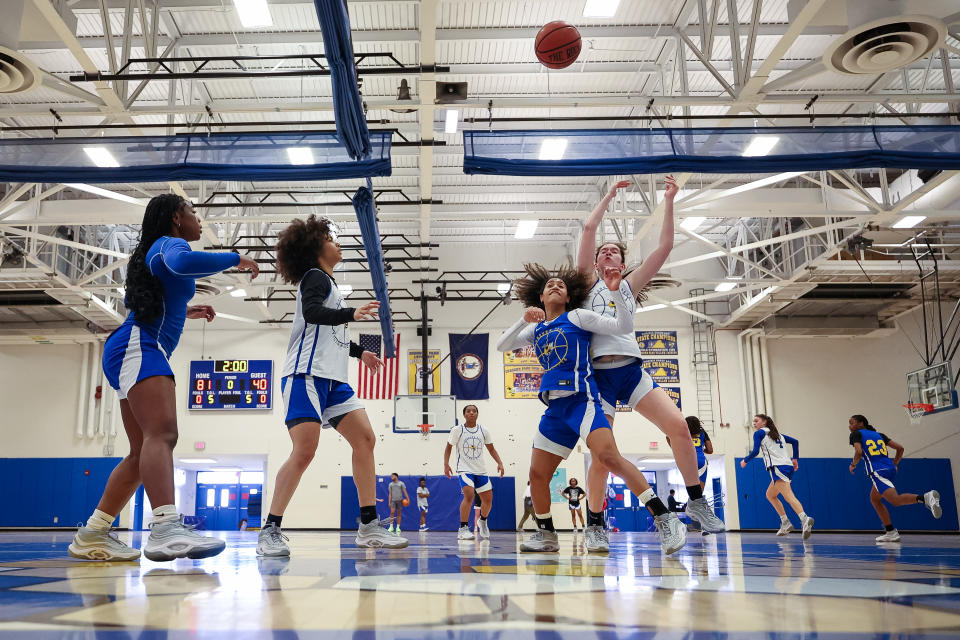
x=725, y=286
x=101, y=156
x=300, y=155
x=503, y=288
x=253, y=13
x=761, y=146
x=450, y=125
x=600, y=8
x=526, y=229
x=553, y=148
x=907, y=222
x=238, y=293
x=691, y=223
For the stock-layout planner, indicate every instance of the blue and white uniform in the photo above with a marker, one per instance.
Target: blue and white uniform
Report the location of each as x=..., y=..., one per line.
x=775, y=457
x=623, y=378
x=567, y=386
x=699, y=442
x=137, y=350
x=877, y=463
x=314, y=373
x=470, y=465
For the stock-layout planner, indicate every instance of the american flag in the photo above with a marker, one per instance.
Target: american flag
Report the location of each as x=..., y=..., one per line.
x=383, y=384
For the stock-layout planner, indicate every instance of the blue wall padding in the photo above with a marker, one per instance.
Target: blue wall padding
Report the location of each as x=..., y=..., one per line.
x=838, y=500
x=41, y=489
x=221, y=156
x=445, y=498
x=601, y=152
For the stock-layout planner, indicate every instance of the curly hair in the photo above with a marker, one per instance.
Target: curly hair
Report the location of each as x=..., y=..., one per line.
x=619, y=245
x=299, y=246
x=693, y=424
x=144, y=291
x=530, y=286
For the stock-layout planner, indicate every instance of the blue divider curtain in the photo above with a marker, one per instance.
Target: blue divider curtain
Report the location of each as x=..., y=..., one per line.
x=347, y=104
x=597, y=152
x=220, y=156
x=370, y=232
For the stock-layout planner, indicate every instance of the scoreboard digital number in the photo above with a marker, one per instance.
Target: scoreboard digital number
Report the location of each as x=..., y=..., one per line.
x=231, y=384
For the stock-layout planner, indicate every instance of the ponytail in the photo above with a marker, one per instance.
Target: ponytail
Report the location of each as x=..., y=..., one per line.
x=144, y=291
x=862, y=420
x=769, y=424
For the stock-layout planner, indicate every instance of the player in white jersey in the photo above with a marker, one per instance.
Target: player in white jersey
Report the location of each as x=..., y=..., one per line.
x=769, y=442
x=619, y=365
x=315, y=389
x=469, y=439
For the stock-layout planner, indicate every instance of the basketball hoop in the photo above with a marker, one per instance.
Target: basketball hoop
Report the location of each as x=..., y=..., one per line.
x=917, y=410
x=425, y=431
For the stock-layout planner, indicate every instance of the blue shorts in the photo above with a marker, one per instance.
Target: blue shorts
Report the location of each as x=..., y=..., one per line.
x=478, y=482
x=702, y=471
x=566, y=420
x=627, y=384
x=882, y=479
x=130, y=355
x=311, y=399
x=781, y=472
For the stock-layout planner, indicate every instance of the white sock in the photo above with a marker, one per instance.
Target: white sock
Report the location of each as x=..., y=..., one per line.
x=166, y=513
x=100, y=521
x=802, y=516
x=784, y=519
x=646, y=496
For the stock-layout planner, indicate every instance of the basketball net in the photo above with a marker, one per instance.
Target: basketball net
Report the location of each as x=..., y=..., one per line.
x=917, y=410
x=425, y=431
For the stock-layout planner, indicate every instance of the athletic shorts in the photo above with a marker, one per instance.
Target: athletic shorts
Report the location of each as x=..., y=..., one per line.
x=628, y=384
x=882, y=479
x=781, y=472
x=422, y=506
x=131, y=355
x=311, y=399
x=396, y=505
x=702, y=471
x=573, y=506
x=566, y=420
x=480, y=483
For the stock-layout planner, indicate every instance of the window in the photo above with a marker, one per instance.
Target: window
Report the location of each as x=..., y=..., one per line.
x=224, y=497
x=626, y=498
x=211, y=498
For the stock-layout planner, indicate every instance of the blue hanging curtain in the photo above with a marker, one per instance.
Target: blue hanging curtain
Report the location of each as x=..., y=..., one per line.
x=367, y=216
x=597, y=152
x=226, y=156
x=347, y=104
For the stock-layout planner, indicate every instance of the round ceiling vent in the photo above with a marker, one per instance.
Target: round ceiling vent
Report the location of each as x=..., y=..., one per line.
x=885, y=45
x=17, y=74
x=206, y=289
x=663, y=281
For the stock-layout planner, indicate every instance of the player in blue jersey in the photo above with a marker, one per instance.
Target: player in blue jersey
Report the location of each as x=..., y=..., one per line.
x=768, y=441
x=873, y=447
x=562, y=343
x=161, y=278
x=316, y=392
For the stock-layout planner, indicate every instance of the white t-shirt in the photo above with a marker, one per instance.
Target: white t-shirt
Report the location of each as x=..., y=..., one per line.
x=600, y=301
x=422, y=494
x=469, y=444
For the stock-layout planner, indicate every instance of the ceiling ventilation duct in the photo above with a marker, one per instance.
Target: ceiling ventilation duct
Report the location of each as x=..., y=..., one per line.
x=883, y=37
x=17, y=73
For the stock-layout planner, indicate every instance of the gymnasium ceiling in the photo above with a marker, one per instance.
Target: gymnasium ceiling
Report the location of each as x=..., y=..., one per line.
x=654, y=63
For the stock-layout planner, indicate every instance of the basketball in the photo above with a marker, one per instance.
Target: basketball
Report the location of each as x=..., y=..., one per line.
x=405, y=502
x=558, y=44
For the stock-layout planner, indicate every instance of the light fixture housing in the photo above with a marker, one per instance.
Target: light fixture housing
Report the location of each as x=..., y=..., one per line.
x=101, y=157
x=526, y=229
x=253, y=13
x=503, y=288
x=760, y=146
x=300, y=155
x=552, y=148
x=908, y=222
x=450, y=121
x=600, y=8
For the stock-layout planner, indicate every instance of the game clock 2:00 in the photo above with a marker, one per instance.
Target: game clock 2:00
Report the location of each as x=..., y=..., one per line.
x=230, y=384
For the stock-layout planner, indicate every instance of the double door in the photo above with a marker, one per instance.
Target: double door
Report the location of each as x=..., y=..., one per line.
x=624, y=509
x=225, y=505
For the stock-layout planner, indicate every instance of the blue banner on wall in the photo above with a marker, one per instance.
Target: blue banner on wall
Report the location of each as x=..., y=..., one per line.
x=468, y=366
x=657, y=343
x=663, y=370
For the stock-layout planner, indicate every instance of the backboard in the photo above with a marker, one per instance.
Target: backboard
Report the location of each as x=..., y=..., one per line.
x=408, y=413
x=932, y=385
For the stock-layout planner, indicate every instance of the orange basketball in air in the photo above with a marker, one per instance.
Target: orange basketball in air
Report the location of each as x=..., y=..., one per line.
x=558, y=44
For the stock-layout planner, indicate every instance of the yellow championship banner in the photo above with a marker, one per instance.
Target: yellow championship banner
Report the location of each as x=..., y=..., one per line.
x=521, y=374
x=663, y=370
x=414, y=371
x=657, y=343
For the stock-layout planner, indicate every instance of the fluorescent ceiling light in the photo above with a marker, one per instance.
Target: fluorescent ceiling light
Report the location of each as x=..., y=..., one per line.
x=725, y=286
x=101, y=156
x=451, y=121
x=553, y=148
x=197, y=460
x=691, y=223
x=503, y=288
x=238, y=293
x=600, y=8
x=106, y=193
x=526, y=229
x=761, y=146
x=652, y=307
x=907, y=222
x=300, y=155
x=345, y=289
x=253, y=13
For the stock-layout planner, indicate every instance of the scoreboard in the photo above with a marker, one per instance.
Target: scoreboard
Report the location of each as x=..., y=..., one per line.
x=230, y=384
